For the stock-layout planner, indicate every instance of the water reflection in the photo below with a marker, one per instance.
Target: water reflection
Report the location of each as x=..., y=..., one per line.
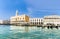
x=23, y=28
x=19, y=28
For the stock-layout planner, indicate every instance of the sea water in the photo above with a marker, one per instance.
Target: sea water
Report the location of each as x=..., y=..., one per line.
x=28, y=32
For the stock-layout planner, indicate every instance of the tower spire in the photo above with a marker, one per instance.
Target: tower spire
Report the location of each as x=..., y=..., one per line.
x=16, y=12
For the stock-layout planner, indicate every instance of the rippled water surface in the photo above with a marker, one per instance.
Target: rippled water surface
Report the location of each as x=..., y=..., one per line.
x=20, y=32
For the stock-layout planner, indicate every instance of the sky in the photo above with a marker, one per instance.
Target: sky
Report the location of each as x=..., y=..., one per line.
x=32, y=8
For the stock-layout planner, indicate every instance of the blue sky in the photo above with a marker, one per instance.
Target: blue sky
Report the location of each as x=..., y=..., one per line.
x=33, y=8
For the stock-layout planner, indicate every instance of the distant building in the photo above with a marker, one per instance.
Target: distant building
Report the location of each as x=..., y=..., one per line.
x=7, y=22
x=51, y=20
x=18, y=19
x=1, y=21
x=36, y=21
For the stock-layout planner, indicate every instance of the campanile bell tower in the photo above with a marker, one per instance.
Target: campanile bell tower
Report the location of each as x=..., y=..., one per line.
x=16, y=12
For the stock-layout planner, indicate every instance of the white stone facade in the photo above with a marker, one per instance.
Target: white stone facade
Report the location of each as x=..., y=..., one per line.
x=35, y=21
x=52, y=19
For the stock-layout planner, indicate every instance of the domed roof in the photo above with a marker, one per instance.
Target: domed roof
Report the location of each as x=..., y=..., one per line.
x=52, y=16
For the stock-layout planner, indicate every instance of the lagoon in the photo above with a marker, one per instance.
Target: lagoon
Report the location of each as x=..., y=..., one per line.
x=28, y=32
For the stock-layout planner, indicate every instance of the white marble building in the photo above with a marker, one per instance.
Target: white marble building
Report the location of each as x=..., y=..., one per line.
x=51, y=19
x=35, y=21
